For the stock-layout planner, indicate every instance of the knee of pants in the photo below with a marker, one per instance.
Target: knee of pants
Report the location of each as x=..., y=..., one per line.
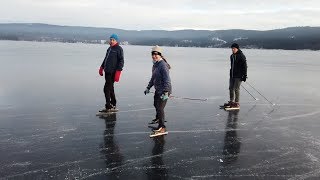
x=105, y=88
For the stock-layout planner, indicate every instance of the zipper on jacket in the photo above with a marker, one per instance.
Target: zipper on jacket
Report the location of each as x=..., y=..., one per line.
x=108, y=54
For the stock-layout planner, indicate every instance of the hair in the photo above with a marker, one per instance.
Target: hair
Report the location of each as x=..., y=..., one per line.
x=160, y=54
x=165, y=61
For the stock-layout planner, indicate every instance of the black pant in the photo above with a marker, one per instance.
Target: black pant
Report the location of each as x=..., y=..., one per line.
x=159, y=104
x=109, y=90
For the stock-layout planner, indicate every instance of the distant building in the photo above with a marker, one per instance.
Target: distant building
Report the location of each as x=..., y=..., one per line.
x=124, y=43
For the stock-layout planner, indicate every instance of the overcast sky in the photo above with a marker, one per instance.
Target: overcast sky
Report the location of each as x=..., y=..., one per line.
x=165, y=14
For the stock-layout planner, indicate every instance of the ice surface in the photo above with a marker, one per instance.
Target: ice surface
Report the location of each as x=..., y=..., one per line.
x=50, y=93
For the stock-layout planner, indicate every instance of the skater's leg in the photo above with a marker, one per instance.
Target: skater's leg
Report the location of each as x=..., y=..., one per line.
x=112, y=94
x=106, y=89
x=162, y=105
x=231, y=89
x=237, y=83
x=156, y=102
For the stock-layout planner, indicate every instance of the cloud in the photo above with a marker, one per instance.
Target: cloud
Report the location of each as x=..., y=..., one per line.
x=165, y=14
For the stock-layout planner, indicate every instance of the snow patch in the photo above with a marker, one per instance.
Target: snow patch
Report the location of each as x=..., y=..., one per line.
x=219, y=40
x=21, y=164
x=186, y=41
x=240, y=38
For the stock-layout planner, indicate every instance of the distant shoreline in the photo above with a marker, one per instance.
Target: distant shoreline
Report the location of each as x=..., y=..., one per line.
x=1, y=40
x=292, y=38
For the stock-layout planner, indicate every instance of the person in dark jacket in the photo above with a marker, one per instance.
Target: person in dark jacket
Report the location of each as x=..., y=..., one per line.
x=112, y=66
x=161, y=81
x=238, y=73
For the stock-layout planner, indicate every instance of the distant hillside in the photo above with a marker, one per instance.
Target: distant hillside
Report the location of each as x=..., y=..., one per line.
x=293, y=38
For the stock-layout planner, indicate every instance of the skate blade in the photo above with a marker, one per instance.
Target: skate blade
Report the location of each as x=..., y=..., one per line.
x=223, y=107
x=104, y=113
x=158, y=134
x=111, y=110
x=154, y=122
x=232, y=109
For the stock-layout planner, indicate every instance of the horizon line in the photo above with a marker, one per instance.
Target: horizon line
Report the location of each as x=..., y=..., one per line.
x=1, y=23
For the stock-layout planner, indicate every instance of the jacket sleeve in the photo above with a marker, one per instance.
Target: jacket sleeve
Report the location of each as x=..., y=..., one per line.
x=151, y=82
x=102, y=65
x=244, y=65
x=105, y=58
x=166, y=78
x=230, y=66
x=120, y=59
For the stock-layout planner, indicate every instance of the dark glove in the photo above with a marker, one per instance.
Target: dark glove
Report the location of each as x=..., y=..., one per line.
x=101, y=71
x=244, y=78
x=147, y=91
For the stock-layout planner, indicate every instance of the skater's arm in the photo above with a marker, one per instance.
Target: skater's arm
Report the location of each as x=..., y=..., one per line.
x=166, y=79
x=245, y=66
x=105, y=58
x=150, y=84
x=102, y=65
x=120, y=59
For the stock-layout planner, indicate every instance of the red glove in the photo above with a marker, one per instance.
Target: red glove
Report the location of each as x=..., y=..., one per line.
x=117, y=76
x=101, y=71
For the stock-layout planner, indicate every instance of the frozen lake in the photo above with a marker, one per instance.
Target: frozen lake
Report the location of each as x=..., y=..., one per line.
x=50, y=93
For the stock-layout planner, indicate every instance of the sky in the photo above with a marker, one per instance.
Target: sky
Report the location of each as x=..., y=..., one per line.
x=165, y=14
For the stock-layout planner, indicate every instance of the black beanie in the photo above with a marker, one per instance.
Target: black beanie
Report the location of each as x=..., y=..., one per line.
x=235, y=45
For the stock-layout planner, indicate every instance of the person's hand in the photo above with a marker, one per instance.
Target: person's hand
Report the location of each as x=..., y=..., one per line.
x=244, y=78
x=101, y=71
x=147, y=91
x=164, y=96
x=117, y=76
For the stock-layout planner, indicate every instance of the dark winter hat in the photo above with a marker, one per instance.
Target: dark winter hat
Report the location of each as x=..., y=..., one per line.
x=115, y=37
x=235, y=45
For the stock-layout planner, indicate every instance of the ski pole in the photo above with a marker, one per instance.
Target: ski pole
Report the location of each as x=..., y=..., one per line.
x=261, y=94
x=186, y=98
x=249, y=93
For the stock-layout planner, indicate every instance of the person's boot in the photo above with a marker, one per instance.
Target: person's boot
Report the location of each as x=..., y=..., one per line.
x=106, y=110
x=114, y=108
x=155, y=121
x=161, y=129
x=160, y=132
x=235, y=105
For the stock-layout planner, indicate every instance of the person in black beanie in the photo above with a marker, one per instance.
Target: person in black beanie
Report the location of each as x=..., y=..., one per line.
x=238, y=73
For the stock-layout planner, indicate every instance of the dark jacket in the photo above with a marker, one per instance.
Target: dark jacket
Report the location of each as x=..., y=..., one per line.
x=113, y=60
x=160, y=78
x=238, y=65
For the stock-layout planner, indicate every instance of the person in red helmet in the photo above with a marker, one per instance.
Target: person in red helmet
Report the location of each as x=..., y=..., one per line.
x=112, y=66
